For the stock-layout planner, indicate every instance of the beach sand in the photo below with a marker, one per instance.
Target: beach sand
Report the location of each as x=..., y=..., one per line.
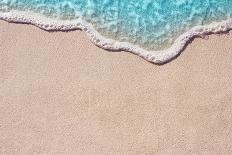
x=60, y=94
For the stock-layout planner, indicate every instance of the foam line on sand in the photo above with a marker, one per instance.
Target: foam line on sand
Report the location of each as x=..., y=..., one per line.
x=157, y=57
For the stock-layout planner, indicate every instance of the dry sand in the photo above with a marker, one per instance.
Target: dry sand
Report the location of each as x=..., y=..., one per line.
x=60, y=94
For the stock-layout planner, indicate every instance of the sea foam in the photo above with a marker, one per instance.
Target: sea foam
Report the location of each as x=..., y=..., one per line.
x=76, y=19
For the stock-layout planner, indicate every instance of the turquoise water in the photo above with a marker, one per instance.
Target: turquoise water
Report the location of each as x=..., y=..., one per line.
x=150, y=24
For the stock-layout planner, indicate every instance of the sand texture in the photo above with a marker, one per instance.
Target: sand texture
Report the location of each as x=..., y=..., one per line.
x=60, y=94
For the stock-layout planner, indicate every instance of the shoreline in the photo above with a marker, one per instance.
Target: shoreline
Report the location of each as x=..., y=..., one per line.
x=156, y=57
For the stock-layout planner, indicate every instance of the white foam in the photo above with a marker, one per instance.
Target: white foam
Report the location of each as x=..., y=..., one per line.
x=157, y=57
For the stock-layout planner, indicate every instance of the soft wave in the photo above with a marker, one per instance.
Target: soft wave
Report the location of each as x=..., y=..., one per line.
x=157, y=57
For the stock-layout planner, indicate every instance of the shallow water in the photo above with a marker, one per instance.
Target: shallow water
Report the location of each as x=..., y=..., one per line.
x=150, y=24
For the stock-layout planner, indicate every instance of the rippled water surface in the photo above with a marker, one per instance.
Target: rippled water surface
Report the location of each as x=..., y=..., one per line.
x=150, y=24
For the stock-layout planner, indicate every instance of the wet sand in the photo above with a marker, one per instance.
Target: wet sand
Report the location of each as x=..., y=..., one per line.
x=60, y=94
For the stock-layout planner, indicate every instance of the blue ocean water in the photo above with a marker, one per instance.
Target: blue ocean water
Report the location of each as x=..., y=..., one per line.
x=150, y=24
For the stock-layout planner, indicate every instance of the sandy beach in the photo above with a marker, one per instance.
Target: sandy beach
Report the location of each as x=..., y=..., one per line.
x=60, y=94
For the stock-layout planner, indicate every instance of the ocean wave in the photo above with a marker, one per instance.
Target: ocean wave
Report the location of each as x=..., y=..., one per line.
x=157, y=57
